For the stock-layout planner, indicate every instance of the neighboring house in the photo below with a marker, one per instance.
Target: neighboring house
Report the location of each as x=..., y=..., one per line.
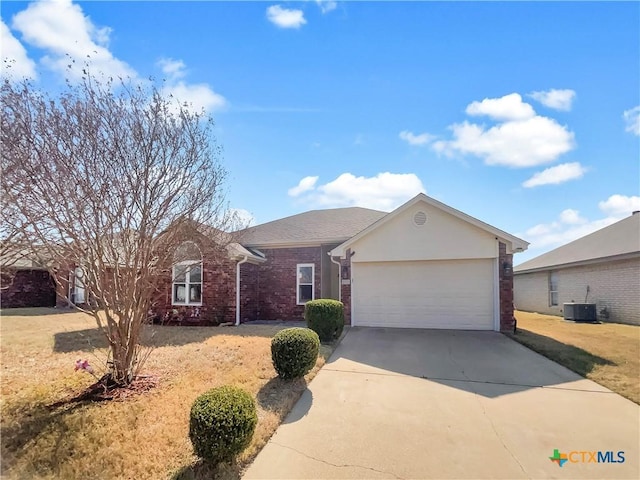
x=424, y=265
x=601, y=268
x=25, y=283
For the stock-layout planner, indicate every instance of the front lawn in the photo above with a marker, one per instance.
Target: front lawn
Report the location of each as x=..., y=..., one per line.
x=145, y=436
x=607, y=353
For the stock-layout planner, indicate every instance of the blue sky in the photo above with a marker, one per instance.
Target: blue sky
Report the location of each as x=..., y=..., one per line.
x=524, y=115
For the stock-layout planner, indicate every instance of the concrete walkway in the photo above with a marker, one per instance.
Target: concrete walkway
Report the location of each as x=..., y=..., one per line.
x=396, y=403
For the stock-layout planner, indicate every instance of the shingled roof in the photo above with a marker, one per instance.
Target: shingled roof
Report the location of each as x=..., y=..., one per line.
x=619, y=239
x=311, y=228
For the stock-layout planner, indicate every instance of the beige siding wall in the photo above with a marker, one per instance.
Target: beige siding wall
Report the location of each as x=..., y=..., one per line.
x=614, y=285
x=442, y=237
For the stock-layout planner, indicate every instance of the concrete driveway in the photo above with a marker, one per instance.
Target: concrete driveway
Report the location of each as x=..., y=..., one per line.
x=396, y=403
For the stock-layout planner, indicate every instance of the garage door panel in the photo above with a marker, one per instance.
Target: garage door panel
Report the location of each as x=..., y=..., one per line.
x=428, y=294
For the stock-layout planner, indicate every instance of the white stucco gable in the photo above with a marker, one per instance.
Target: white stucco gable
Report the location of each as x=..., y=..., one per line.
x=426, y=229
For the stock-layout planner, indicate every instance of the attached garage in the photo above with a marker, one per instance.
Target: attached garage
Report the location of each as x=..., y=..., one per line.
x=427, y=265
x=450, y=294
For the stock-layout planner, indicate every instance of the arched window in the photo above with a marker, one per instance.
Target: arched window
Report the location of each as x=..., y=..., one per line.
x=187, y=275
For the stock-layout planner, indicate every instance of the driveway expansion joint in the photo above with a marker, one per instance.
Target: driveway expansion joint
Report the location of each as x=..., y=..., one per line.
x=486, y=416
x=335, y=464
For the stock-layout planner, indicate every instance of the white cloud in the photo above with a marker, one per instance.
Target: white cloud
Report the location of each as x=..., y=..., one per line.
x=571, y=217
x=16, y=64
x=523, y=143
x=327, y=6
x=198, y=96
x=522, y=139
x=416, y=140
x=284, y=17
x=570, y=225
x=632, y=120
x=556, y=99
x=306, y=184
x=174, y=69
x=555, y=175
x=509, y=107
x=385, y=191
x=68, y=37
x=620, y=205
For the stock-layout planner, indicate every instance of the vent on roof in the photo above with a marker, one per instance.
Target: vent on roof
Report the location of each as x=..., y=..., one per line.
x=420, y=218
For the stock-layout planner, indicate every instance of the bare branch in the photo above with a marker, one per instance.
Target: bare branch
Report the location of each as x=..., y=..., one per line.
x=105, y=177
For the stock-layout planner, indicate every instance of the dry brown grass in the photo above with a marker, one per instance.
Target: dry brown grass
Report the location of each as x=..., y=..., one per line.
x=607, y=353
x=145, y=436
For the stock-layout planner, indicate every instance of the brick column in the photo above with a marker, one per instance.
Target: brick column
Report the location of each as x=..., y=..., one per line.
x=505, y=284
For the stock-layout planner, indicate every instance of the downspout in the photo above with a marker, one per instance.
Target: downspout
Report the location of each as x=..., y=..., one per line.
x=339, y=276
x=238, y=289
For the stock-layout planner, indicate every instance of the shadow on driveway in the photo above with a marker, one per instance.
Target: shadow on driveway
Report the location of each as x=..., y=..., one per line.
x=486, y=363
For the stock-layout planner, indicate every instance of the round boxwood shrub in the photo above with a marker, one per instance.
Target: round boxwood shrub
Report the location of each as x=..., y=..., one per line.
x=222, y=423
x=325, y=317
x=294, y=352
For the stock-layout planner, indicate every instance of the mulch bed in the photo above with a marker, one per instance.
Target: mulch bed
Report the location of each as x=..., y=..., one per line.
x=104, y=389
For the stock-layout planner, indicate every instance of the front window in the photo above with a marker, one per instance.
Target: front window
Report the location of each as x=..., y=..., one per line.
x=553, y=289
x=305, y=285
x=187, y=275
x=187, y=284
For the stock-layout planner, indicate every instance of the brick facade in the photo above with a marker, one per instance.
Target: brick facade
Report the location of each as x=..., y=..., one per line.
x=505, y=286
x=249, y=292
x=27, y=288
x=268, y=291
x=218, y=292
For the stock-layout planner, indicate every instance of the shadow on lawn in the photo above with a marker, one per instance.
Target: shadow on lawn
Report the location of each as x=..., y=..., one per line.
x=156, y=336
x=54, y=423
x=276, y=394
x=574, y=358
x=204, y=471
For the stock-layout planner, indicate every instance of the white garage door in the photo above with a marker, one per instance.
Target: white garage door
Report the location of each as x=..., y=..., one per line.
x=455, y=294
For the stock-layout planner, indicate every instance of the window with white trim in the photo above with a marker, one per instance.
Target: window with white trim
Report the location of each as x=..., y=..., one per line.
x=186, y=287
x=553, y=289
x=305, y=273
x=187, y=283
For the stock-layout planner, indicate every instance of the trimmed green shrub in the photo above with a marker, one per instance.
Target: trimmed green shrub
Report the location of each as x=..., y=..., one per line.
x=325, y=317
x=222, y=423
x=294, y=352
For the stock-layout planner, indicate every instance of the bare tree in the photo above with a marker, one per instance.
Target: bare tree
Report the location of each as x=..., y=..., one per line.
x=104, y=178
